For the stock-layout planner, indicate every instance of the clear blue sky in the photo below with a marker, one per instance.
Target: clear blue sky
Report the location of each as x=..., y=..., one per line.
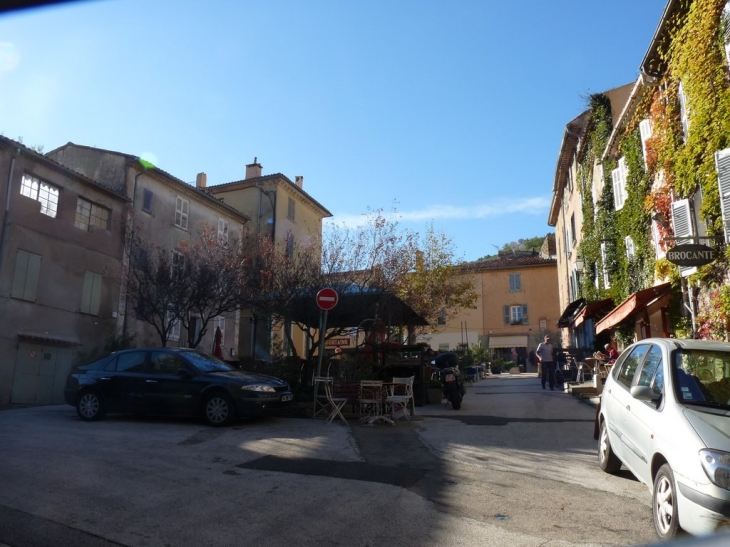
x=451, y=111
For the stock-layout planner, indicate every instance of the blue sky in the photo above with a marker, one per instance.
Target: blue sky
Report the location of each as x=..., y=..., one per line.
x=450, y=111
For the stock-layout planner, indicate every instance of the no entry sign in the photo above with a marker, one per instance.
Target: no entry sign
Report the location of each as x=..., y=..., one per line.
x=327, y=299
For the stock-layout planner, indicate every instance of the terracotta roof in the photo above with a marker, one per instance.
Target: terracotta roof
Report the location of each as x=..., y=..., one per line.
x=508, y=262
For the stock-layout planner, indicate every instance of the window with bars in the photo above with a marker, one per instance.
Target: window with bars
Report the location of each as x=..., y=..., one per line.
x=182, y=206
x=90, y=216
x=41, y=191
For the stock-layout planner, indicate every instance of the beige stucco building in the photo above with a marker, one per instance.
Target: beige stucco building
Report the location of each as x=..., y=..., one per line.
x=61, y=247
x=517, y=303
x=283, y=210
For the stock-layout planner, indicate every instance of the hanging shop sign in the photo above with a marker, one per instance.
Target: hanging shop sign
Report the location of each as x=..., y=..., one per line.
x=691, y=254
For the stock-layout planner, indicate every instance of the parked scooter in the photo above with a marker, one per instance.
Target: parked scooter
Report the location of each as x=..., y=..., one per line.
x=450, y=376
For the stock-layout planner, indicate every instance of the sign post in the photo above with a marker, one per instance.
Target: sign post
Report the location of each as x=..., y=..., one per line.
x=326, y=300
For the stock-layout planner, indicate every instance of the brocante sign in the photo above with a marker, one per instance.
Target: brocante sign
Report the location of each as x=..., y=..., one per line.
x=691, y=254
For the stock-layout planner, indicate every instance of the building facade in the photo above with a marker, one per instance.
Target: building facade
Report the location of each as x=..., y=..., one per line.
x=61, y=249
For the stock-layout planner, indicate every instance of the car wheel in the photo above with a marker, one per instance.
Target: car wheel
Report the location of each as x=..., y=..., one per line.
x=90, y=407
x=455, y=398
x=218, y=409
x=608, y=461
x=664, y=504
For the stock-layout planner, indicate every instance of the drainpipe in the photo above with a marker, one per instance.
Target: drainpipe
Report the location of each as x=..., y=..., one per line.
x=6, y=219
x=129, y=252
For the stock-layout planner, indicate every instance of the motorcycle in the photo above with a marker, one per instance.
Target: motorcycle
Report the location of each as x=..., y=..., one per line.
x=450, y=376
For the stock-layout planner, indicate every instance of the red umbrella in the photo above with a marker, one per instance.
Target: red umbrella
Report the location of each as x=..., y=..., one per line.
x=217, y=347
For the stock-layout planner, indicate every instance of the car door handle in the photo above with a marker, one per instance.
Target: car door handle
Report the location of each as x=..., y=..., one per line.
x=105, y=378
x=150, y=381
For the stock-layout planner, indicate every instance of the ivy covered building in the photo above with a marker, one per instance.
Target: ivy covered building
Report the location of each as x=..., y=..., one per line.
x=630, y=187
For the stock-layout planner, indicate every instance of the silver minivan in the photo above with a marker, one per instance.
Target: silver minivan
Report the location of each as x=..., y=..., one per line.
x=665, y=415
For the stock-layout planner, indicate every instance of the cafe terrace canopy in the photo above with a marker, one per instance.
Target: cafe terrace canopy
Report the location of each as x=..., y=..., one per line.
x=355, y=305
x=632, y=305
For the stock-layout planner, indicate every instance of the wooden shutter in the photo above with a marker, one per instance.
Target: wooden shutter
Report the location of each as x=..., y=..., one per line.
x=722, y=164
x=91, y=293
x=505, y=309
x=683, y=109
x=147, y=201
x=604, y=263
x=619, y=176
x=25, y=281
x=629, y=246
x=682, y=222
x=524, y=314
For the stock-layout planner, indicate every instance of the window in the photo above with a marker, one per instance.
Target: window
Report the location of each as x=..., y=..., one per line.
x=629, y=246
x=91, y=293
x=128, y=362
x=222, y=230
x=165, y=363
x=147, y=200
x=682, y=221
x=90, y=216
x=645, y=131
x=290, y=245
x=177, y=264
x=515, y=315
x=604, y=262
x=441, y=319
x=572, y=229
x=443, y=347
x=174, y=326
x=722, y=164
x=181, y=213
x=25, y=281
x=219, y=322
x=41, y=191
x=651, y=374
x=683, y=109
x=630, y=364
x=618, y=176
x=290, y=214
x=515, y=282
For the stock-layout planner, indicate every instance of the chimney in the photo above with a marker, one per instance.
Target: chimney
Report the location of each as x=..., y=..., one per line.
x=299, y=181
x=201, y=180
x=253, y=170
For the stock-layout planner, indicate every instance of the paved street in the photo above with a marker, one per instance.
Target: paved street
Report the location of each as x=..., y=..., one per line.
x=515, y=466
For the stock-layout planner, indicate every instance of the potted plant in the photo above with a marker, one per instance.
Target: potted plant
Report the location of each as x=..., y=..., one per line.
x=435, y=391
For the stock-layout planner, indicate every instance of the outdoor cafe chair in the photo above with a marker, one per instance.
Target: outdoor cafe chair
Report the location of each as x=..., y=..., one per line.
x=400, y=396
x=328, y=403
x=370, y=400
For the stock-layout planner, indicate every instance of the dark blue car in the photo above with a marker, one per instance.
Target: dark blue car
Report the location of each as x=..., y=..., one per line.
x=171, y=381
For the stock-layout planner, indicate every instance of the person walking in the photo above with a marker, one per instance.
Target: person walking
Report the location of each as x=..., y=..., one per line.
x=544, y=353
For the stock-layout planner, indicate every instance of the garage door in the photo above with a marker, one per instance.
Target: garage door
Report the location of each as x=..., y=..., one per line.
x=40, y=373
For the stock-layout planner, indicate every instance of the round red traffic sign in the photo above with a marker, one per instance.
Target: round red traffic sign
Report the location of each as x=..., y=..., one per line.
x=327, y=299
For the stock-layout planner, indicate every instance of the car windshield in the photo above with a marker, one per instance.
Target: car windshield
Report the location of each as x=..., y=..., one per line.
x=702, y=377
x=207, y=363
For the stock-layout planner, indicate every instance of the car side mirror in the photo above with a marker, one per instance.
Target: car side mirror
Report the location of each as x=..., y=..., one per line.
x=644, y=393
x=184, y=373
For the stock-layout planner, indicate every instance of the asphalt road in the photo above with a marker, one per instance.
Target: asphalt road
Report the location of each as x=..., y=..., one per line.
x=515, y=466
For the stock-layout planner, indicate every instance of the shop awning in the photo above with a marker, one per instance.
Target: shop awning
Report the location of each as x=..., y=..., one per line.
x=592, y=310
x=633, y=304
x=508, y=341
x=567, y=316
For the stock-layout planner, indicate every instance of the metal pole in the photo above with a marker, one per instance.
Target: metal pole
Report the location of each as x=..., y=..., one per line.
x=321, y=343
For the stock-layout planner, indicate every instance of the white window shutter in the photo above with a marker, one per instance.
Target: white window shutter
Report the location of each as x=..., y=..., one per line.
x=646, y=131
x=683, y=109
x=629, y=246
x=604, y=260
x=618, y=176
x=722, y=164
x=682, y=222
